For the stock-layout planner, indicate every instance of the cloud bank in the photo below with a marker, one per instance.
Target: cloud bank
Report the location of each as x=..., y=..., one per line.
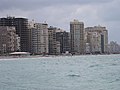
x=59, y=13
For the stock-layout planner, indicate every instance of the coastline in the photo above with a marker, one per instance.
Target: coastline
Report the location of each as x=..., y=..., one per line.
x=38, y=56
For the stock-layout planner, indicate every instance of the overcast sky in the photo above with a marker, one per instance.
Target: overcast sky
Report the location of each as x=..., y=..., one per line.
x=59, y=13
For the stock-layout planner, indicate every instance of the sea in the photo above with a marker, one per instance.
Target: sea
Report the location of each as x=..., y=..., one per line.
x=85, y=72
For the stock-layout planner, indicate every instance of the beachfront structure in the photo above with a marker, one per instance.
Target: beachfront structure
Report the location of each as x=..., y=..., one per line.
x=19, y=54
x=64, y=38
x=38, y=38
x=77, y=37
x=54, y=45
x=8, y=40
x=97, y=38
x=21, y=26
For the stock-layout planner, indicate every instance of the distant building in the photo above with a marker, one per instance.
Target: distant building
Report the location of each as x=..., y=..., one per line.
x=38, y=38
x=64, y=38
x=77, y=37
x=8, y=39
x=114, y=47
x=21, y=26
x=97, y=37
x=54, y=45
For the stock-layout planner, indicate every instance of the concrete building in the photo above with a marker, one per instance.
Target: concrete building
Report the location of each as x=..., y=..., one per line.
x=38, y=38
x=114, y=47
x=64, y=38
x=8, y=39
x=97, y=37
x=21, y=26
x=54, y=45
x=77, y=37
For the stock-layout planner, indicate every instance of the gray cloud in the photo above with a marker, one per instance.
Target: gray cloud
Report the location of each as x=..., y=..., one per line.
x=60, y=12
x=110, y=12
x=37, y=4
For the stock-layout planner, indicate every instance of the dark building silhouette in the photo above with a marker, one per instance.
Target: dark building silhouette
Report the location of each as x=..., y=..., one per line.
x=21, y=26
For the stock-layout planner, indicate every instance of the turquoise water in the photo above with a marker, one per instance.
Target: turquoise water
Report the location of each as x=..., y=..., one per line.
x=99, y=72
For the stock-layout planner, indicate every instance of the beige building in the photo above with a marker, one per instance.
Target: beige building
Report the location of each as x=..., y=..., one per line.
x=97, y=37
x=54, y=45
x=77, y=37
x=8, y=39
x=38, y=38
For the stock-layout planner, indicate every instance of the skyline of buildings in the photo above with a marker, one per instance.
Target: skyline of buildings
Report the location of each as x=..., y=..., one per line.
x=40, y=39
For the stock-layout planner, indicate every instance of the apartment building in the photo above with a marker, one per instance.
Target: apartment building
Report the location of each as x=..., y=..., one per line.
x=8, y=39
x=38, y=38
x=97, y=37
x=64, y=38
x=21, y=26
x=54, y=45
x=77, y=37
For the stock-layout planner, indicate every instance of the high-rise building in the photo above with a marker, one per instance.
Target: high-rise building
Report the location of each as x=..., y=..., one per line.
x=8, y=39
x=97, y=37
x=77, y=37
x=38, y=38
x=64, y=38
x=54, y=45
x=114, y=48
x=21, y=26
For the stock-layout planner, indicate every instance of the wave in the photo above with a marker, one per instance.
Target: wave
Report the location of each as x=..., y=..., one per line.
x=73, y=75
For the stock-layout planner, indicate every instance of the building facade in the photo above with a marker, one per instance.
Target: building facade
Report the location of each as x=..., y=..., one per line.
x=8, y=39
x=54, y=45
x=64, y=38
x=97, y=38
x=21, y=26
x=38, y=38
x=77, y=37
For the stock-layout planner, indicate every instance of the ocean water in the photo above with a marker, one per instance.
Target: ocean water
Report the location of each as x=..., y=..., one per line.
x=92, y=72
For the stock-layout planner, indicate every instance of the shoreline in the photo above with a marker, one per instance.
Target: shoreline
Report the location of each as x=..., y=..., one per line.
x=38, y=56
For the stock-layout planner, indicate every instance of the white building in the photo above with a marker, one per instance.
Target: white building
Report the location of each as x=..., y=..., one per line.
x=38, y=38
x=7, y=39
x=97, y=37
x=77, y=37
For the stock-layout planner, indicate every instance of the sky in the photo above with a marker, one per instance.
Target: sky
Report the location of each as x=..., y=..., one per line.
x=59, y=13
